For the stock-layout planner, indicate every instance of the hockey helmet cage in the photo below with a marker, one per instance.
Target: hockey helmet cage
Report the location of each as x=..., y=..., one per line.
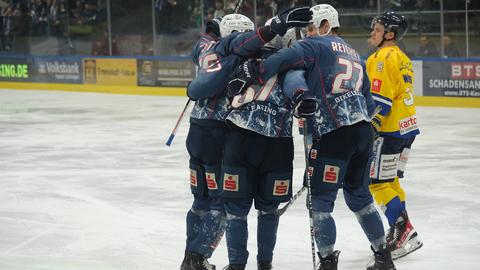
x=392, y=22
x=235, y=23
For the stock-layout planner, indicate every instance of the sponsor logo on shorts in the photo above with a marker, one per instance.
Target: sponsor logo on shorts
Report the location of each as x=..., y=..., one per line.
x=330, y=174
x=280, y=188
x=310, y=171
x=230, y=182
x=313, y=154
x=193, y=177
x=376, y=85
x=211, y=181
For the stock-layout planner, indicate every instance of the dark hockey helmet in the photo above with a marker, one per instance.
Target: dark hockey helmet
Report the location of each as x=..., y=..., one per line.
x=213, y=27
x=392, y=22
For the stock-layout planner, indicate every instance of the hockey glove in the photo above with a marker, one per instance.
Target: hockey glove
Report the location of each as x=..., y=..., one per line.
x=245, y=75
x=293, y=17
x=188, y=95
x=305, y=103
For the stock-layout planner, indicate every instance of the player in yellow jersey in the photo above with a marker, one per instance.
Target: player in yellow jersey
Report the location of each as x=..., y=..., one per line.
x=391, y=75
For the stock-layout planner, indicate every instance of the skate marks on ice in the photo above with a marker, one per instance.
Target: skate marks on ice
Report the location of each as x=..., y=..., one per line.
x=87, y=183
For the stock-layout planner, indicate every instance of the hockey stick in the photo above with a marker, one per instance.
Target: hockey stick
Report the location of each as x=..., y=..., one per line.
x=174, y=131
x=309, y=192
x=172, y=135
x=282, y=210
x=237, y=6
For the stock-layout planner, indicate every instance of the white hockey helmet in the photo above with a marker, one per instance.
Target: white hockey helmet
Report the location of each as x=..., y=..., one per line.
x=325, y=12
x=284, y=41
x=235, y=23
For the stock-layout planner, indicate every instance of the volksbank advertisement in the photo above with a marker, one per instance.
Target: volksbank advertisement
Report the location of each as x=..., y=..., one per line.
x=451, y=78
x=15, y=69
x=58, y=70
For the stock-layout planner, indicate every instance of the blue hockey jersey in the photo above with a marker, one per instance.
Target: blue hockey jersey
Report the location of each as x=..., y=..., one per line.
x=216, y=61
x=265, y=109
x=336, y=74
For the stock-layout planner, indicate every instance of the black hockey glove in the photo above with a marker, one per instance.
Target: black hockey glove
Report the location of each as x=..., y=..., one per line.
x=188, y=95
x=293, y=17
x=305, y=103
x=245, y=75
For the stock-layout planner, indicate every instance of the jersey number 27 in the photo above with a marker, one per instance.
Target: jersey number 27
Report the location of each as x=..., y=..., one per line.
x=340, y=84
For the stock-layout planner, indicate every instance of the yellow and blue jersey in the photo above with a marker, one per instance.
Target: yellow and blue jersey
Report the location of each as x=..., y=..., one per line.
x=391, y=76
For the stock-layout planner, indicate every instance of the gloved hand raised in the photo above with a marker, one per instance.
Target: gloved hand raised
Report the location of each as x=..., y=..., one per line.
x=245, y=75
x=305, y=103
x=293, y=17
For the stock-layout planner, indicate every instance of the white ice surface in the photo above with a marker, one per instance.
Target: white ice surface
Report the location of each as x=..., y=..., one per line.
x=87, y=183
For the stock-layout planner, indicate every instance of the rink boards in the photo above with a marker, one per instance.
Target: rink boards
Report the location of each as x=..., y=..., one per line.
x=438, y=82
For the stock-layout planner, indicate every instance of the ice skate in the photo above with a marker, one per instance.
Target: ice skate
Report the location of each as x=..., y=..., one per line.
x=402, y=239
x=264, y=265
x=330, y=262
x=383, y=261
x=198, y=262
x=186, y=261
x=234, y=267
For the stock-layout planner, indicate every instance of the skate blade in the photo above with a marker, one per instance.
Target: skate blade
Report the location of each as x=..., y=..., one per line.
x=411, y=246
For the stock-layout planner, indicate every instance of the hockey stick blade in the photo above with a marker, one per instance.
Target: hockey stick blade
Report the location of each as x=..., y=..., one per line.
x=174, y=131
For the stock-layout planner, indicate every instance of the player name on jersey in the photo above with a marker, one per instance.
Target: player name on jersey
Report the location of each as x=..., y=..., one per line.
x=340, y=47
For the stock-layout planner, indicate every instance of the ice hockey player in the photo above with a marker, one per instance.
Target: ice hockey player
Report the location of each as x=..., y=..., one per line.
x=206, y=136
x=391, y=76
x=341, y=153
x=206, y=218
x=258, y=164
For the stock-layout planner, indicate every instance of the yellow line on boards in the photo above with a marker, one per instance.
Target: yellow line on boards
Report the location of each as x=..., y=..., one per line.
x=113, y=89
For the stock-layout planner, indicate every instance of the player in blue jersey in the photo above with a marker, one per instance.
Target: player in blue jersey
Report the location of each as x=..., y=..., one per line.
x=206, y=218
x=341, y=153
x=258, y=164
x=206, y=136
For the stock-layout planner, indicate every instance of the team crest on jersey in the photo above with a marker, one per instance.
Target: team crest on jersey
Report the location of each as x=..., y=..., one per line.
x=230, y=182
x=313, y=154
x=193, y=177
x=331, y=174
x=211, y=181
x=379, y=66
x=376, y=85
x=280, y=187
x=310, y=171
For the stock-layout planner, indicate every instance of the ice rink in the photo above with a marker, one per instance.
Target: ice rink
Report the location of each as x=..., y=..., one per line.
x=87, y=183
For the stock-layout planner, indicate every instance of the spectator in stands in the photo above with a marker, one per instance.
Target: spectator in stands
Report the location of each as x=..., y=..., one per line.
x=39, y=17
x=427, y=48
x=219, y=11
x=449, y=48
x=6, y=30
x=100, y=45
x=21, y=29
x=230, y=7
